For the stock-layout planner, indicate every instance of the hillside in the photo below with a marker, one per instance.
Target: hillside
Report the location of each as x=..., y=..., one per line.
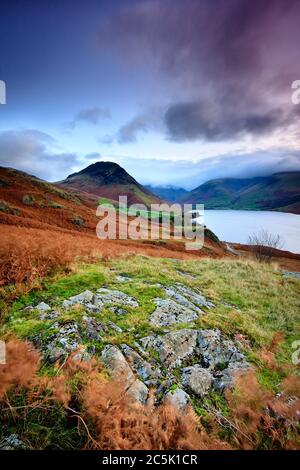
x=280, y=192
x=167, y=193
x=144, y=353
x=31, y=202
x=109, y=180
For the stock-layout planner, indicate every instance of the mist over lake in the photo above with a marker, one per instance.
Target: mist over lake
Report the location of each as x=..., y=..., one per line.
x=236, y=226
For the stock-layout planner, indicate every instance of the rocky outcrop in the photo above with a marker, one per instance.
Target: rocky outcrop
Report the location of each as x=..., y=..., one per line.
x=169, y=312
x=197, y=379
x=179, y=364
x=172, y=348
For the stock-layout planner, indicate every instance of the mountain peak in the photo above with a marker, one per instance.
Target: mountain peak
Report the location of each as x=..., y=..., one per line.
x=109, y=180
x=105, y=173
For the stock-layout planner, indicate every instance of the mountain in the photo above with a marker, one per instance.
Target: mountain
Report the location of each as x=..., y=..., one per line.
x=27, y=201
x=167, y=193
x=109, y=180
x=280, y=192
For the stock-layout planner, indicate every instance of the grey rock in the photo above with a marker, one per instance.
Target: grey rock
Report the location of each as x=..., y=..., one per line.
x=177, y=398
x=110, y=296
x=140, y=366
x=173, y=293
x=49, y=315
x=55, y=354
x=173, y=347
x=61, y=343
x=137, y=392
x=225, y=379
x=82, y=355
x=197, y=379
x=93, y=328
x=193, y=295
x=217, y=352
x=114, y=327
x=122, y=278
x=118, y=310
x=294, y=274
x=169, y=313
x=87, y=299
x=12, y=442
x=43, y=307
x=117, y=364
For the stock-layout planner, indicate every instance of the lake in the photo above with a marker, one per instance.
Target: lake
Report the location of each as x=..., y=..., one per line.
x=236, y=226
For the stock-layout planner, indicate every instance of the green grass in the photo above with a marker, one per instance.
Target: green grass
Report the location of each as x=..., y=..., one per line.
x=263, y=303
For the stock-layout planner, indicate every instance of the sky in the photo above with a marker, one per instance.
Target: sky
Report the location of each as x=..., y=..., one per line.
x=175, y=91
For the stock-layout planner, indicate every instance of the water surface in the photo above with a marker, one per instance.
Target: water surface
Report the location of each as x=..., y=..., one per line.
x=236, y=226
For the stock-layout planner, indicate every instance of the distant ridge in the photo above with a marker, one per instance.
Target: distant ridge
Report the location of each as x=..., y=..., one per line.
x=280, y=192
x=168, y=193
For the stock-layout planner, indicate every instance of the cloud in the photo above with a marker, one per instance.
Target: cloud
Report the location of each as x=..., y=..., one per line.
x=231, y=70
x=35, y=152
x=191, y=121
x=191, y=174
x=93, y=156
x=129, y=131
x=89, y=115
x=151, y=119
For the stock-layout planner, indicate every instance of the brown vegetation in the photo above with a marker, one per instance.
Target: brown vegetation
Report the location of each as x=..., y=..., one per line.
x=109, y=421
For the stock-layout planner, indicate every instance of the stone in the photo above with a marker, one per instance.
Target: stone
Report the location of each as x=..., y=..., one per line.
x=197, y=379
x=137, y=392
x=169, y=313
x=93, y=329
x=118, y=310
x=110, y=296
x=173, y=347
x=55, y=354
x=173, y=293
x=122, y=278
x=140, y=366
x=49, y=315
x=217, y=352
x=86, y=299
x=61, y=343
x=117, y=364
x=225, y=379
x=177, y=398
x=12, y=442
x=115, y=327
x=193, y=296
x=43, y=307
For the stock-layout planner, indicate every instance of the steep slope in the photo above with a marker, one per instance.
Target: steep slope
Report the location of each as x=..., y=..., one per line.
x=28, y=201
x=109, y=180
x=168, y=193
x=280, y=191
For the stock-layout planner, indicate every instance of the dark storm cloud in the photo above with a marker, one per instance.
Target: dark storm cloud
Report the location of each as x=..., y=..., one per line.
x=89, y=115
x=190, y=121
x=231, y=62
x=34, y=152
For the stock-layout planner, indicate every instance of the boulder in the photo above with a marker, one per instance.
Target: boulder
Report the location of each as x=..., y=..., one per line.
x=117, y=364
x=12, y=442
x=110, y=296
x=137, y=392
x=169, y=313
x=197, y=379
x=92, y=328
x=173, y=347
x=177, y=398
x=43, y=307
x=140, y=366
